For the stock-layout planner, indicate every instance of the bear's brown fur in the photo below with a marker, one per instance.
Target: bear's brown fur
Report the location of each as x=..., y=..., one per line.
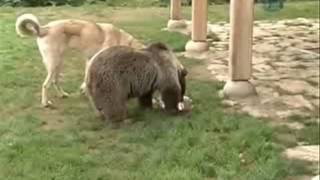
x=120, y=73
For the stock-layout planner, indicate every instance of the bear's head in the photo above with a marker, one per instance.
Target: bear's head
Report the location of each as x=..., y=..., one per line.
x=172, y=80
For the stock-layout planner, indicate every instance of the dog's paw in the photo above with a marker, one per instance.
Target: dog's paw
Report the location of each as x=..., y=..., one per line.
x=158, y=103
x=187, y=99
x=83, y=91
x=128, y=121
x=64, y=95
x=47, y=104
x=83, y=88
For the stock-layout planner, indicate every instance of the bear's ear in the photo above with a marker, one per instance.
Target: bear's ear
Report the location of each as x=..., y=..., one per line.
x=184, y=72
x=159, y=46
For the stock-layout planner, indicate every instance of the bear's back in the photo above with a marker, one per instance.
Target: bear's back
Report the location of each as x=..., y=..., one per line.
x=134, y=71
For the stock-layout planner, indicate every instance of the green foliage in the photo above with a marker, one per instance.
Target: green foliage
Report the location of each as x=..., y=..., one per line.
x=131, y=3
x=40, y=2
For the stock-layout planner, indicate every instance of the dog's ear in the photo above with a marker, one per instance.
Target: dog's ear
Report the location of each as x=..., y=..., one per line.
x=184, y=72
x=158, y=46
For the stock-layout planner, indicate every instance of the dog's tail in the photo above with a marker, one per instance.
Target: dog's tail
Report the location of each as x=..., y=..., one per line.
x=28, y=25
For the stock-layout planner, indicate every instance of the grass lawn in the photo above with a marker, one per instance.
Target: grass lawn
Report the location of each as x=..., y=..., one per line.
x=69, y=143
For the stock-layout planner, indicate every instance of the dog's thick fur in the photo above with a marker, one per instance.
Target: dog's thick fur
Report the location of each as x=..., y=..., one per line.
x=120, y=73
x=56, y=37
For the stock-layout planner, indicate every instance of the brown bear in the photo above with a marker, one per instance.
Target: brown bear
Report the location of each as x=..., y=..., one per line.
x=120, y=73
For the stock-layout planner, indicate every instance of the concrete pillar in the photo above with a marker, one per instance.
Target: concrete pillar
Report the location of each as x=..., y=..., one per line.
x=176, y=21
x=198, y=41
x=240, y=52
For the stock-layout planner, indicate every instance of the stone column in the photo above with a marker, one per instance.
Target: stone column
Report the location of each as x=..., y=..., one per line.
x=175, y=21
x=198, y=41
x=240, y=52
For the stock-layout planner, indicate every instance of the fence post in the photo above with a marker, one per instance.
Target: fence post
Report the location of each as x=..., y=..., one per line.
x=198, y=42
x=240, y=52
x=175, y=20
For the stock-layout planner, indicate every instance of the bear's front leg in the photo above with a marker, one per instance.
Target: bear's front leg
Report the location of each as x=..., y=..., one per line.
x=145, y=101
x=115, y=109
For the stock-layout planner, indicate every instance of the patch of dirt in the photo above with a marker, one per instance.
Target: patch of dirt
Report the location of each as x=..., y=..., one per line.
x=305, y=153
x=299, y=178
x=197, y=68
x=52, y=124
x=51, y=119
x=315, y=50
x=199, y=72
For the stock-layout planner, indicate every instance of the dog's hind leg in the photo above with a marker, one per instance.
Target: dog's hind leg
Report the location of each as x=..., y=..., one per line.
x=45, y=86
x=56, y=82
x=51, y=59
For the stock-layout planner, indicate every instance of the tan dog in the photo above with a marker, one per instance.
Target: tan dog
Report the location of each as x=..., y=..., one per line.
x=56, y=37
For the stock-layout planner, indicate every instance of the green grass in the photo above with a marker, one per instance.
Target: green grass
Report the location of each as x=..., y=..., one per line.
x=69, y=143
x=310, y=134
x=205, y=143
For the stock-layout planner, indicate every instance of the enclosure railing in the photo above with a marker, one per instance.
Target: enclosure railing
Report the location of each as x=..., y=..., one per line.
x=241, y=32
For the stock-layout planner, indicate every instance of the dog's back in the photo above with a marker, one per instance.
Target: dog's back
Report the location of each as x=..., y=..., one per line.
x=115, y=37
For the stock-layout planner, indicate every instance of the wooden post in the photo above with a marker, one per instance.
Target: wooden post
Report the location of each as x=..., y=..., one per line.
x=199, y=27
x=175, y=21
x=241, y=21
x=199, y=20
x=240, y=60
x=175, y=10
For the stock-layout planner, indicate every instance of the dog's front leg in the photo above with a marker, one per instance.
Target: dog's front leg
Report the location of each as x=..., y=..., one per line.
x=83, y=86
